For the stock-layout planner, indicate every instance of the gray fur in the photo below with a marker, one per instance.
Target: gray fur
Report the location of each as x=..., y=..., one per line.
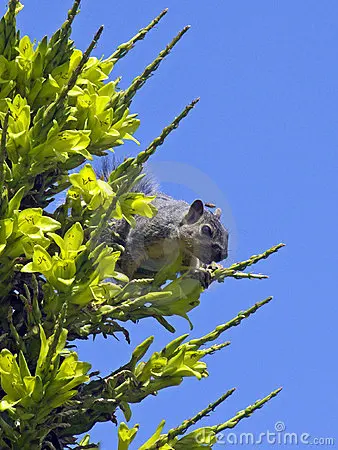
x=175, y=230
x=190, y=232
x=148, y=185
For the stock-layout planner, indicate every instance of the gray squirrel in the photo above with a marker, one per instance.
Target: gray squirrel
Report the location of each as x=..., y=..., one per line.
x=181, y=232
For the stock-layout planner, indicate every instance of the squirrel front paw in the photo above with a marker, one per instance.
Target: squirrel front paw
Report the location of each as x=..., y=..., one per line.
x=202, y=275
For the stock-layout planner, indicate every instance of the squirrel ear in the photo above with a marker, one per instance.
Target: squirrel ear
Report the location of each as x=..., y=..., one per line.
x=218, y=213
x=195, y=212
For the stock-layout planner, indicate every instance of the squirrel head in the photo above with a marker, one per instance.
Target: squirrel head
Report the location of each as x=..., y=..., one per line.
x=203, y=235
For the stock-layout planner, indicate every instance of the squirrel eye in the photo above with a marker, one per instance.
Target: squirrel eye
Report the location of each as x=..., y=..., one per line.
x=206, y=229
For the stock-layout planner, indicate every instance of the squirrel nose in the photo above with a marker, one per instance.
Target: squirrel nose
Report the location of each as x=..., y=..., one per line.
x=220, y=253
x=223, y=253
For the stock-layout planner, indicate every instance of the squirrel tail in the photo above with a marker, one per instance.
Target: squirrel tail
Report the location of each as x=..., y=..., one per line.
x=147, y=185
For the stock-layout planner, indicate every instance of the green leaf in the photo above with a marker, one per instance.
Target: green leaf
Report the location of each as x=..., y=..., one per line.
x=152, y=440
x=74, y=237
x=26, y=48
x=44, y=347
x=38, y=391
x=6, y=361
x=126, y=435
x=31, y=221
x=125, y=408
x=11, y=380
x=60, y=243
x=85, y=441
x=61, y=399
x=142, y=349
x=64, y=269
x=85, y=180
x=24, y=370
x=8, y=405
x=6, y=229
x=42, y=262
x=14, y=203
x=62, y=341
x=170, y=348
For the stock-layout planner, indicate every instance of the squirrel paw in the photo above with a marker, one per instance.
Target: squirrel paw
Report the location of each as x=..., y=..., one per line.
x=213, y=266
x=202, y=275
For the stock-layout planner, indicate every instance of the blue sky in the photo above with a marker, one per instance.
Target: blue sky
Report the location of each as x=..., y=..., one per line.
x=262, y=143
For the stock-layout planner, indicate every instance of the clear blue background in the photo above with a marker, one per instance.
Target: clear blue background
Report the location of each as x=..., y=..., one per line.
x=266, y=133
